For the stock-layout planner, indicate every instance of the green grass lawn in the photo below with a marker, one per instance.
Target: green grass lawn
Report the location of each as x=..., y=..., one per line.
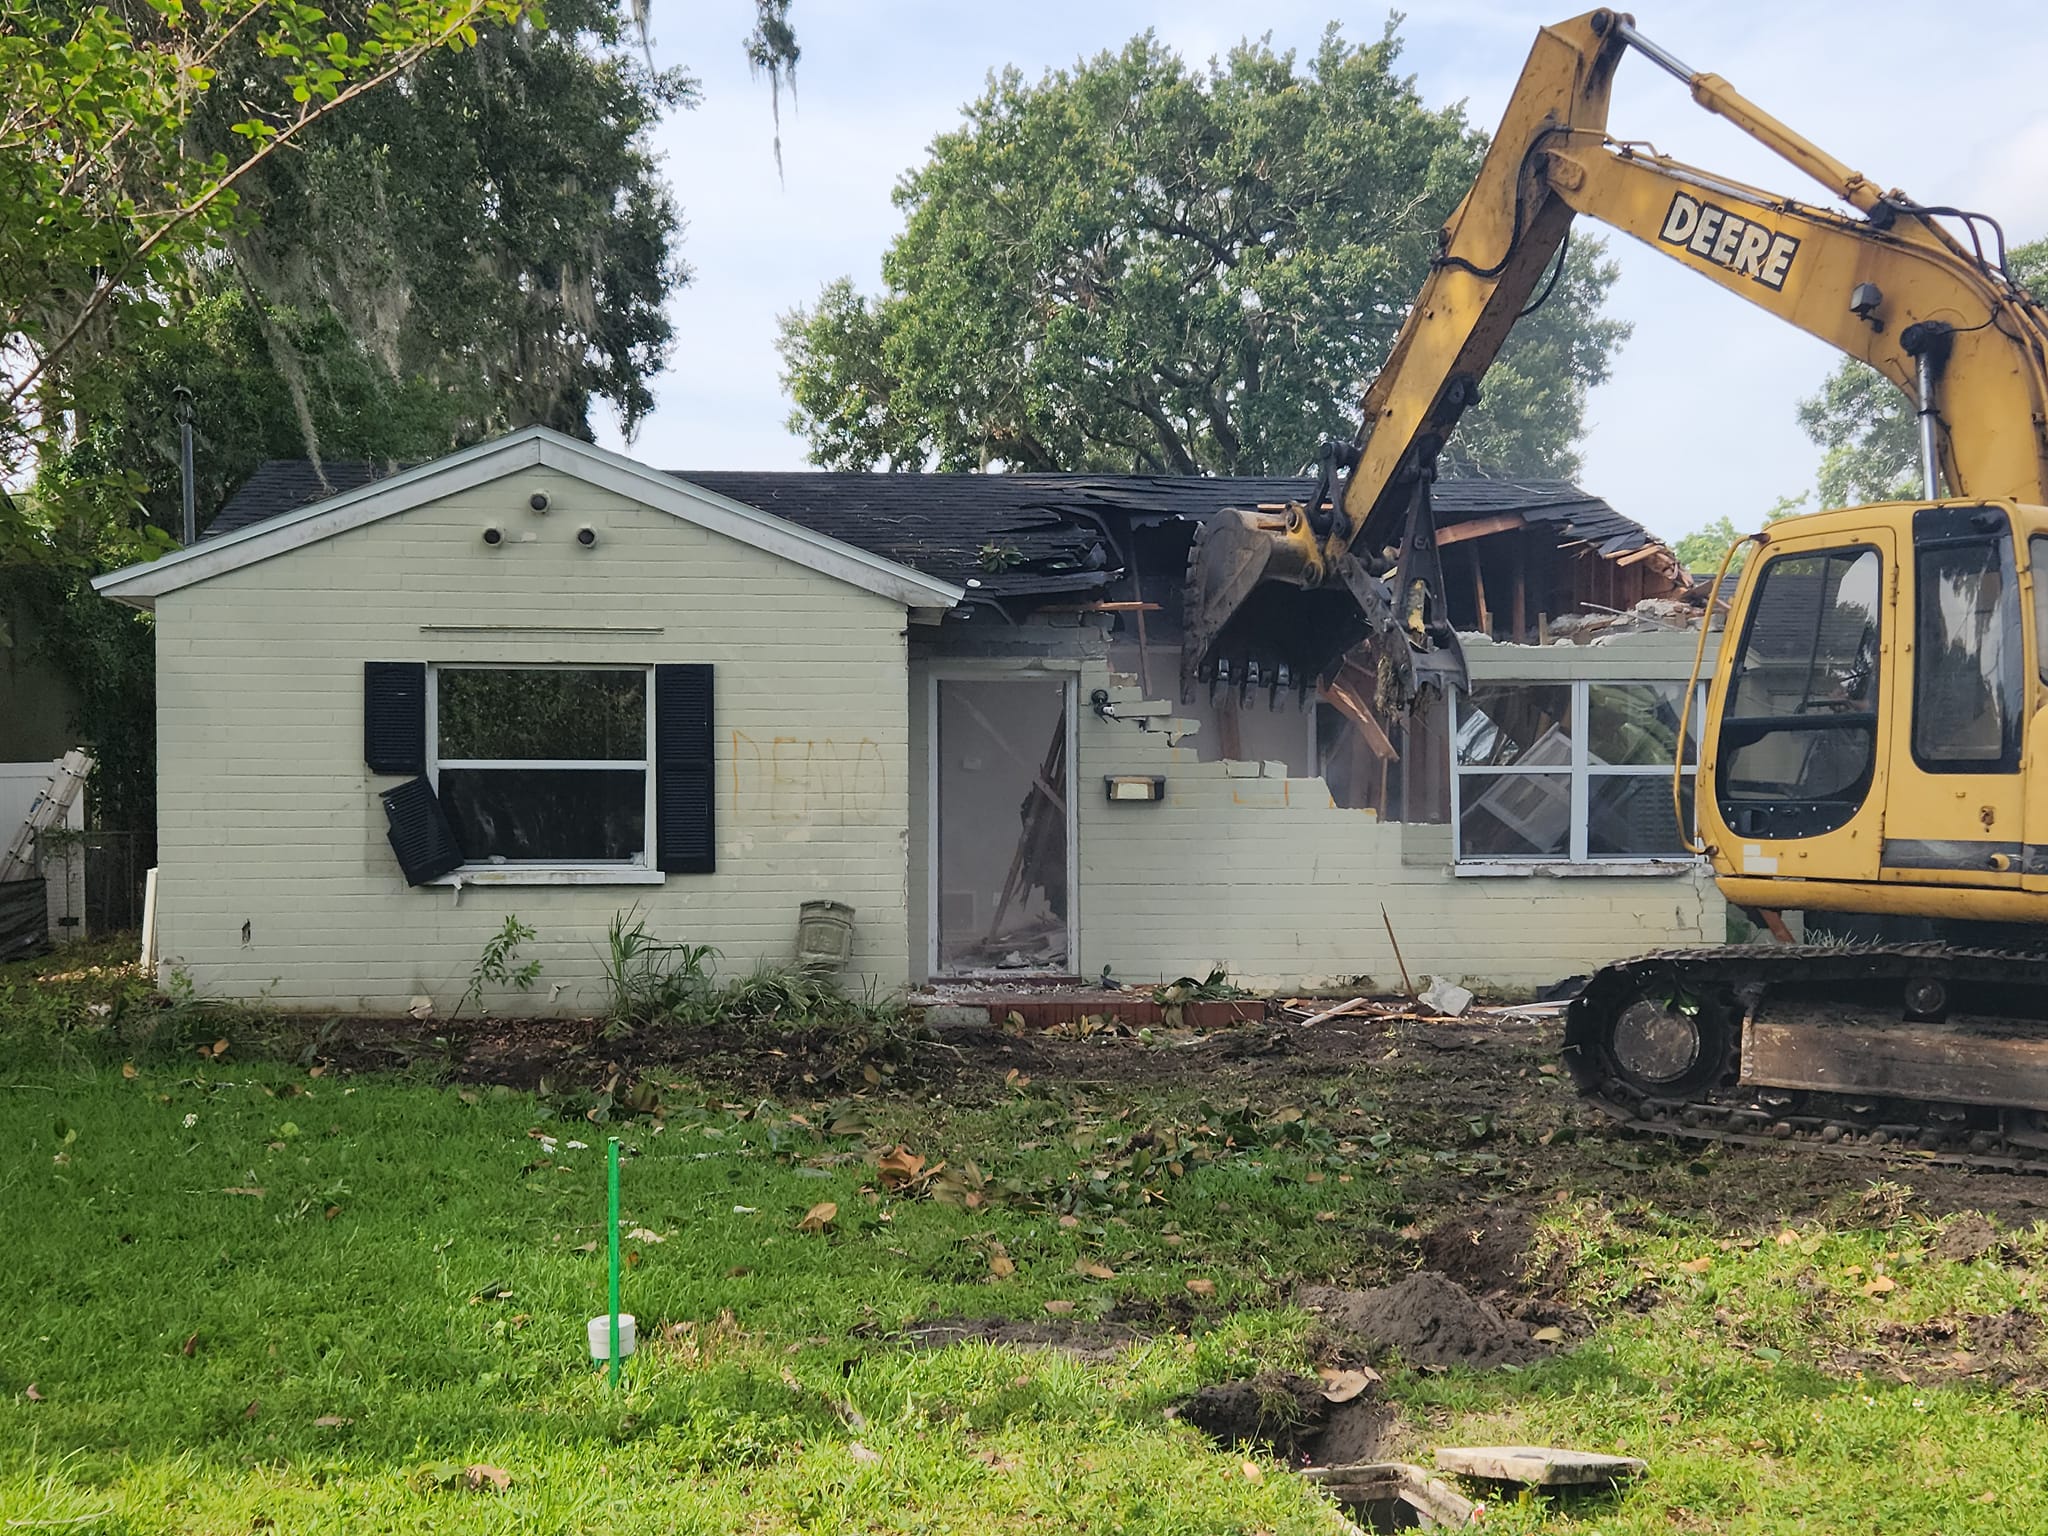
x=248, y=1297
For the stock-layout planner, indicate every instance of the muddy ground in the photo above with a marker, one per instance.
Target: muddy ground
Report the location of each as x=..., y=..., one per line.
x=1486, y=1094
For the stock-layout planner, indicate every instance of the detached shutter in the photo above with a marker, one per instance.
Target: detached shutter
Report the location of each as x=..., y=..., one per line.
x=395, y=716
x=419, y=832
x=684, y=819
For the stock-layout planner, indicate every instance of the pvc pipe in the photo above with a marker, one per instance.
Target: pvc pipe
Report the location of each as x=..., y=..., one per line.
x=612, y=1183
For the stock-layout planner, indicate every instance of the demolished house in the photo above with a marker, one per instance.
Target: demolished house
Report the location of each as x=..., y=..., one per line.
x=537, y=678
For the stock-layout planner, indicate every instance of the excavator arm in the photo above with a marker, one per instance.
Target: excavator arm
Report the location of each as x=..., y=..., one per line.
x=1890, y=286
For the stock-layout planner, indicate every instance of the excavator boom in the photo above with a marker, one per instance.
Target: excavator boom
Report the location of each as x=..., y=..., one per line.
x=1889, y=285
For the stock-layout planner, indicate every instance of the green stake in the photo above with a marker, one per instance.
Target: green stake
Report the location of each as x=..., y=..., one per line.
x=612, y=1180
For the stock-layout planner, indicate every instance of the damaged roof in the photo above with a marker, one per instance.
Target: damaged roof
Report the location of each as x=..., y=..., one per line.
x=1043, y=534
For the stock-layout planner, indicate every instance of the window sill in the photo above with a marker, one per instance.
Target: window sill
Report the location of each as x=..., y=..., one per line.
x=551, y=874
x=1626, y=869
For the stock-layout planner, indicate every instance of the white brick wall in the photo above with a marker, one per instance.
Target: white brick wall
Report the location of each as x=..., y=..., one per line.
x=269, y=818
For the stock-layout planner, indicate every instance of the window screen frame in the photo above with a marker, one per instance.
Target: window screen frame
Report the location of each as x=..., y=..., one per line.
x=1580, y=771
x=645, y=859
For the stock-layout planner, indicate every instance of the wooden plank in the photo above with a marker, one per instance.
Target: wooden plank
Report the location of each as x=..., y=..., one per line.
x=1539, y=1466
x=1479, y=528
x=1962, y=1061
x=1479, y=594
x=1521, y=603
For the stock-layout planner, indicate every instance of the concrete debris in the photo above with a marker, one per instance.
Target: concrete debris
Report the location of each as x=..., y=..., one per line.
x=1539, y=1466
x=1444, y=997
x=1394, y=1495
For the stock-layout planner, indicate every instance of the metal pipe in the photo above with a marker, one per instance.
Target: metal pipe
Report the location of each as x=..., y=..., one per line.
x=1670, y=63
x=1930, y=454
x=187, y=495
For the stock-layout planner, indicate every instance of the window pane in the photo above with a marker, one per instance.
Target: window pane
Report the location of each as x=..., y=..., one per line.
x=1521, y=724
x=1799, y=738
x=1514, y=815
x=1811, y=643
x=597, y=814
x=1628, y=816
x=2037, y=560
x=1636, y=724
x=1967, y=676
x=506, y=712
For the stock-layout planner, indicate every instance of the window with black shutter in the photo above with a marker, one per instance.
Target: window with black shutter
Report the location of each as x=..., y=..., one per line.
x=575, y=767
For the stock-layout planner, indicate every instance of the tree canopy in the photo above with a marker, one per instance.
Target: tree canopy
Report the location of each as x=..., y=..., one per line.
x=1137, y=264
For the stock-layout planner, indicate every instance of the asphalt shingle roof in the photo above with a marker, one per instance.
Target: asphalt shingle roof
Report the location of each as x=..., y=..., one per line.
x=939, y=524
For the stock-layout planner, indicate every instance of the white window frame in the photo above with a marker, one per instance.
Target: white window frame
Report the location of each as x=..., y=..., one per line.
x=1580, y=771
x=638, y=870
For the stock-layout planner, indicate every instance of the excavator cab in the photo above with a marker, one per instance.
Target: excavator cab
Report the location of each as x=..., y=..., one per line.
x=1872, y=713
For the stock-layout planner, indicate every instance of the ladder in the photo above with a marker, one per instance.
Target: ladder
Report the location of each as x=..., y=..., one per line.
x=50, y=807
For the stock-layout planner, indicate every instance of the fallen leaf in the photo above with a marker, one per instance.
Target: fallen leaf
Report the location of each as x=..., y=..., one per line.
x=642, y=1235
x=1059, y=1308
x=899, y=1166
x=1326, y=1215
x=1000, y=1264
x=819, y=1216
x=1070, y=1222
x=32, y=1394
x=1697, y=1266
x=128, y=1069
x=1094, y=1271
x=1251, y=1471
x=589, y=1247
x=1342, y=1386
x=250, y=1411
x=191, y=1346
x=1201, y=1287
x=332, y=1421
x=995, y=1460
x=332, y=1211
x=257, y=1192
x=1548, y=1335
x=1788, y=1238
x=481, y=1473
x=1878, y=1285
x=862, y=1454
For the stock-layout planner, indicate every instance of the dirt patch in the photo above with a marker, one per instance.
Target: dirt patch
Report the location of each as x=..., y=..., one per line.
x=1095, y=1342
x=1289, y=1415
x=1486, y=1254
x=1427, y=1319
x=1967, y=1237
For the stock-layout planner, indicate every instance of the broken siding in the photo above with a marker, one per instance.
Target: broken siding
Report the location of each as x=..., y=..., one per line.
x=270, y=818
x=1248, y=867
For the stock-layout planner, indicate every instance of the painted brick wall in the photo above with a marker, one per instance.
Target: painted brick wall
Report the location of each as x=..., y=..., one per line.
x=1244, y=867
x=269, y=817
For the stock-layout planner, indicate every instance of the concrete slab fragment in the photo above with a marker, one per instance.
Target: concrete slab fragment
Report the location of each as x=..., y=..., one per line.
x=1539, y=1466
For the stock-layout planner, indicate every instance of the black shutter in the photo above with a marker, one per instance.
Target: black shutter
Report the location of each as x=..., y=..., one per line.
x=684, y=812
x=419, y=831
x=395, y=716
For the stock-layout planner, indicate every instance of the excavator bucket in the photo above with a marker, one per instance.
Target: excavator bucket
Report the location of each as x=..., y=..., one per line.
x=1256, y=619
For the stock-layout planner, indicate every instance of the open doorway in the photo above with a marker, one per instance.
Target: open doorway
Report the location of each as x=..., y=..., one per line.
x=1004, y=814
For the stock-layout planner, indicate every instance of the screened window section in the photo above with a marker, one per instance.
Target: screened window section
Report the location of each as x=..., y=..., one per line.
x=1569, y=772
x=544, y=765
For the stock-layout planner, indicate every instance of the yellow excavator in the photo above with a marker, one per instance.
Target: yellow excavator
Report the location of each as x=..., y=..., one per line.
x=1875, y=740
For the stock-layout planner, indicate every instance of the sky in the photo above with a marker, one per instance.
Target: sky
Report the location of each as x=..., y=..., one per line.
x=1941, y=100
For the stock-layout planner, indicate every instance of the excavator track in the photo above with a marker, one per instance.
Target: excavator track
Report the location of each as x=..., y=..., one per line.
x=1657, y=1042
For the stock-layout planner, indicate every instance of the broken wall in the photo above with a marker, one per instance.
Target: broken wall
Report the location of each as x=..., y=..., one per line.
x=1252, y=866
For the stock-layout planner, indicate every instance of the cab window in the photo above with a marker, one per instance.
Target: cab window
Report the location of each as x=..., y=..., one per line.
x=1798, y=744
x=1969, y=671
